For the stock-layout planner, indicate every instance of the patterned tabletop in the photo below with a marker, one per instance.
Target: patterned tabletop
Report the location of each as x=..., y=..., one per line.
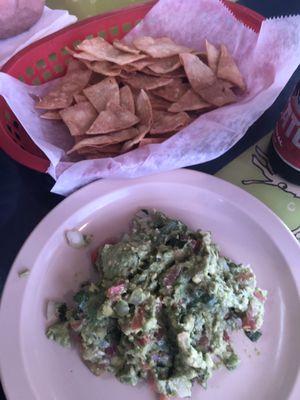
x=252, y=172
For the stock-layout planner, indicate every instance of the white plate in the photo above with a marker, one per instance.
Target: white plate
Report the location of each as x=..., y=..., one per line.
x=34, y=368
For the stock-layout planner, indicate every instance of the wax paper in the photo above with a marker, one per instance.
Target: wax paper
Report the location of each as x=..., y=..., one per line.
x=267, y=60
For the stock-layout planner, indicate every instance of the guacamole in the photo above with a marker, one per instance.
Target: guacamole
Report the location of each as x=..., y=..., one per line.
x=163, y=308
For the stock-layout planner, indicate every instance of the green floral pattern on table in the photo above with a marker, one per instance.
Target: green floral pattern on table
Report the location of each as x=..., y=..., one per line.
x=253, y=172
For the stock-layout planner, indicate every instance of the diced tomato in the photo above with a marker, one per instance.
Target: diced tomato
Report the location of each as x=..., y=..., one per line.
x=226, y=336
x=204, y=342
x=142, y=341
x=145, y=367
x=159, y=306
x=115, y=291
x=249, y=323
x=172, y=275
x=259, y=296
x=138, y=319
x=153, y=386
x=151, y=381
x=196, y=244
x=159, y=334
x=94, y=255
x=111, y=240
x=244, y=276
x=111, y=351
x=75, y=325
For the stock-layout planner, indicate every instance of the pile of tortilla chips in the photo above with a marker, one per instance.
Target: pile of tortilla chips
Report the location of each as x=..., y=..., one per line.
x=115, y=97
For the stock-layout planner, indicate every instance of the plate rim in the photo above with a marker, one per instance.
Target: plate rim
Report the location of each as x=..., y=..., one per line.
x=290, y=250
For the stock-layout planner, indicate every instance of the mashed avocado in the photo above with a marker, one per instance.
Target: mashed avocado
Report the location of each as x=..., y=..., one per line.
x=164, y=307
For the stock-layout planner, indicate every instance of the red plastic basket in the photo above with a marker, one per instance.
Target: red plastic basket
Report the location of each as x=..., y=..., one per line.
x=46, y=59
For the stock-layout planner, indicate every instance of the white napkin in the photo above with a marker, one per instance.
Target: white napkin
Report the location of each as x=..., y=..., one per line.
x=50, y=21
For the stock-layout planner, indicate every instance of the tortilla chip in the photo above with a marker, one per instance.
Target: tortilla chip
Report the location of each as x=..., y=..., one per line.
x=165, y=65
x=110, y=149
x=228, y=70
x=104, y=140
x=190, y=101
x=160, y=47
x=138, y=65
x=218, y=94
x=126, y=48
x=79, y=118
x=168, y=122
x=198, y=73
x=100, y=155
x=138, y=80
x=148, y=71
x=84, y=56
x=163, y=136
x=80, y=56
x=144, y=113
x=201, y=54
x=70, y=51
x=55, y=100
x=177, y=74
x=213, y=55
x=80, y=98
x=126, y=99
x=146, y=141
x=103, y=67
x=95, y=78
x=158, y=103
x=114, y=118
x=79, y=138
x=84, y=151
x=173, y=91
x=54, y=115
x=102, y=50
x=103, y=92
x=75, y=79
x=72, y=87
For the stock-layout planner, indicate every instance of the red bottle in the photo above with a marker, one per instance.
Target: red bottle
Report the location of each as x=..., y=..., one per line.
x=284, y=151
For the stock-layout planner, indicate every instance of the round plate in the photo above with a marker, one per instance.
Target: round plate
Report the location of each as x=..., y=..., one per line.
x=34, y=368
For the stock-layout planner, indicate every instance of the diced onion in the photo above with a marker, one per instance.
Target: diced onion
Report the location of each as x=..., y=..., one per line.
x=51, y=310
x=76, y=239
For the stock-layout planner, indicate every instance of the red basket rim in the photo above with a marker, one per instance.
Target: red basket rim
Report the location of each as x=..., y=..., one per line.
x=249, y=17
